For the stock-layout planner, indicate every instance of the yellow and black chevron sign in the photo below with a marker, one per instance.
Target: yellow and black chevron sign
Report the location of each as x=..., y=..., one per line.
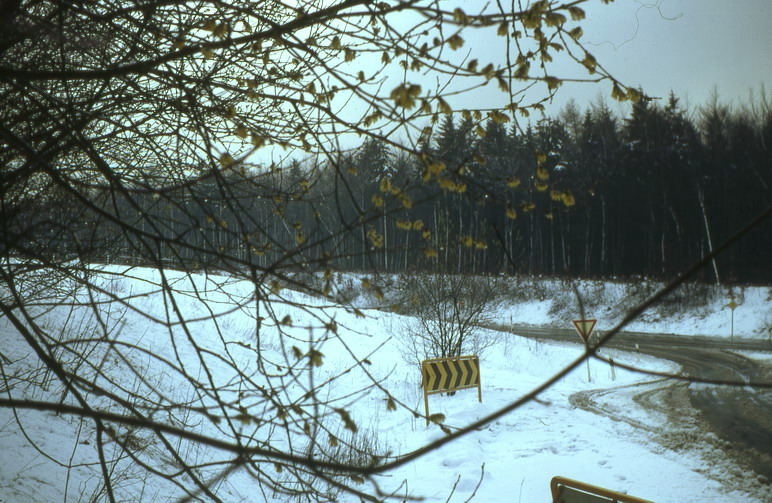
x=448, y=374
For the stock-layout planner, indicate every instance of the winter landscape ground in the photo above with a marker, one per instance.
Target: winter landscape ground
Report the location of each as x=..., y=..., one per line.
x=636, y=449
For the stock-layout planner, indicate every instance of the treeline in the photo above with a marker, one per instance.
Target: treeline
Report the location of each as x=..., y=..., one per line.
x=585, y=193
x=590, y=193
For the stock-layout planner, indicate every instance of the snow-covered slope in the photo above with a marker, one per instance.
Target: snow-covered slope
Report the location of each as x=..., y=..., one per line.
x=691, y=310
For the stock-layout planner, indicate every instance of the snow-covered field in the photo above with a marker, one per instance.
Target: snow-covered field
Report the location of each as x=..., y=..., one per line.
x=512, y=458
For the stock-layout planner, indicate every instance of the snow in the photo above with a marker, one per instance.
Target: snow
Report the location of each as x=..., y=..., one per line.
x=625, y=449
x=532, y=312
x=691, y=310
x=758, y=356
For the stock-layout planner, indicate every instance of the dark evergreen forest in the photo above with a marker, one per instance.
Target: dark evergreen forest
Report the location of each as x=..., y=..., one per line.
x=587, y=193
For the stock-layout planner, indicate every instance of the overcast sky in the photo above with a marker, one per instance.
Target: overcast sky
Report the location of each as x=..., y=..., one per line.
x=692, y=47
x=689, y=46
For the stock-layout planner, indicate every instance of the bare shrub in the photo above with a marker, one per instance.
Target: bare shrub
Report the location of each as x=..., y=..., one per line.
x=361, y=449
x=448, y=312
x=691, y=295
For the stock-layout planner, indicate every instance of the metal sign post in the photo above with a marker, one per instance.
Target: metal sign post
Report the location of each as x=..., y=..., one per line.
x=732, y=306
x=584, y=329
x=450, y=374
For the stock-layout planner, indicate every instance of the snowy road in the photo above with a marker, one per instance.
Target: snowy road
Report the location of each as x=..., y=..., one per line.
x=741, y=416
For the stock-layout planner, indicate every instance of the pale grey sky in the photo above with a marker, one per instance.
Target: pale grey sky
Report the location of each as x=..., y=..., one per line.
x=689, y=46
x=692, y=47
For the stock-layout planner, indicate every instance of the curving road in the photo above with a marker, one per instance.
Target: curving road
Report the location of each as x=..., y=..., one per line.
x=741, y=415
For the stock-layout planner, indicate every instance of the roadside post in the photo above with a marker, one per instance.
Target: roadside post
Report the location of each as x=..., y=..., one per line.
x=584, y=329
x=450, y=374
x=732, y=306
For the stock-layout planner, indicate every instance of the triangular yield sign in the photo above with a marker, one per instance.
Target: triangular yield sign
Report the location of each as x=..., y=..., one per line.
x=584, y=328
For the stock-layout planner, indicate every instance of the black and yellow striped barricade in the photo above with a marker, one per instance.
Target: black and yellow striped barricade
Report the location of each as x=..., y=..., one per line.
x=572, y=491
x=450, y=374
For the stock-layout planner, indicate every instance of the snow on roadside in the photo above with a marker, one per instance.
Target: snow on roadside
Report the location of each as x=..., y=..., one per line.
x=520, y=451
x=764, y=357
x=691, y=310
x=523, y=450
